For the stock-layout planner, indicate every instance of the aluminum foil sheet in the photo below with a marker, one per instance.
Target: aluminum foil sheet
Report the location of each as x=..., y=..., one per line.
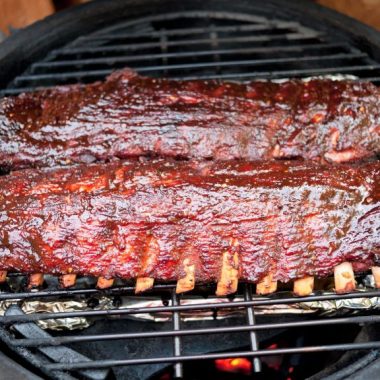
x=209, y=314
x=59, y=324
x=343, y=305
x=325, y=307
x=30, y=307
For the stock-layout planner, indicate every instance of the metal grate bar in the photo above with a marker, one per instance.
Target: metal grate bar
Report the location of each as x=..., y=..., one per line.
x=177, y=332
x=177, y=344
x=179, y=308
x=256, y=62
x=369, y=79
x=252, y=322
x=149, y=45
x=271, y=26
x=287, y=73
x=16, y=91
x=205, y=15
x=224, y=355
x=61, y=76
x=199, y=53
x=253, y=62
x=74, y=292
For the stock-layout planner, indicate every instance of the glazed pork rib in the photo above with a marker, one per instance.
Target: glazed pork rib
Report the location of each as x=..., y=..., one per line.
x=193, y=222
x=129, y=115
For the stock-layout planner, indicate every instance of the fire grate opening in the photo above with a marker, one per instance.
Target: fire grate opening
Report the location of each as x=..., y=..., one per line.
x=186, y=44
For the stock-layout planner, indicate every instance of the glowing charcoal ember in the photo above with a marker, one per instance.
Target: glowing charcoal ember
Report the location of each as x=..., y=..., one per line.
x=237, y=365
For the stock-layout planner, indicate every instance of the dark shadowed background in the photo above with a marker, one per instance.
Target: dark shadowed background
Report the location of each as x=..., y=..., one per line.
x=16, y=14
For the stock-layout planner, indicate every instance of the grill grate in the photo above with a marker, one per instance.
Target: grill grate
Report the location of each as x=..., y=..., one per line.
x=194, y=45
x=178, y=330
x=186, y=45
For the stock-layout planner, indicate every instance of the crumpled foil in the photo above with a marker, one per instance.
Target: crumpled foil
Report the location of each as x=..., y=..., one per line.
x=205, y=314
x=324, y=307
x=80, y=303
x=330, y=306
x=59, y=324
x=106, y=303
x=75, y=323
x=353, y=304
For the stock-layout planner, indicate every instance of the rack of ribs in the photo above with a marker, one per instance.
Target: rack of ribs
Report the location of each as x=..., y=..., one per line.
x=193, y=222
x=128, y=115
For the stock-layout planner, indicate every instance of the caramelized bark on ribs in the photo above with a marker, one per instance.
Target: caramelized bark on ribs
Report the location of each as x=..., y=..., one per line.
x=129, y=115
x=191, y=221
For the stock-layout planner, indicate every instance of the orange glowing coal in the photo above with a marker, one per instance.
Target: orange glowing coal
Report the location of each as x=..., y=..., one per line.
x=239, y=365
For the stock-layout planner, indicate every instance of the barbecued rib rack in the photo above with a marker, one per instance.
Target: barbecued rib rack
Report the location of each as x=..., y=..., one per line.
x=192, y=43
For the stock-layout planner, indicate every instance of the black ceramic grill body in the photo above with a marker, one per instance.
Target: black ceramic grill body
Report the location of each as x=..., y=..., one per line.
x=234, y=40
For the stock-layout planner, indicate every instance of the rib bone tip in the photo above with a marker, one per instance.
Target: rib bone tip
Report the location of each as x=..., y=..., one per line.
x=303, y=286
x=3, y=276
x=35, y=280
x=67, y=280
x=376, y=275
x=344, y=278
x=186, y=283
x=267, y=285
x=143, y=284
x=104, y=283
x=229, y=277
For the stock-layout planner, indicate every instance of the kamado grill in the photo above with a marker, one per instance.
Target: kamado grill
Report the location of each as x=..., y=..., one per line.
x=88, y=333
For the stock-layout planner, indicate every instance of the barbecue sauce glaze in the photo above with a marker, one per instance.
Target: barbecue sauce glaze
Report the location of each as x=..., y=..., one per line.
x=143, y=218
x=129, y=116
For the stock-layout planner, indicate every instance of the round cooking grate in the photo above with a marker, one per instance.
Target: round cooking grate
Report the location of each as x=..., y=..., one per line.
x=202, y=44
